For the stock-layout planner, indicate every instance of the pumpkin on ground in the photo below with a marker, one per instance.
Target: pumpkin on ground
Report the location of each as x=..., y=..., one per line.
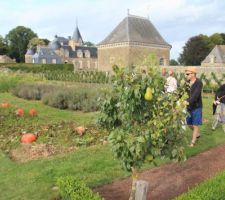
x=33, y=112
x=19, y=112
x=80, y=130
x=5, y=105
x=28, y=138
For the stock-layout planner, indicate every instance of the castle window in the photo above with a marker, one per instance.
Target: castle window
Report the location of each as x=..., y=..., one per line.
x=112, y=60
x=88, y=64
x=44, y=61
x=66, y=53
x=96, y=65
x=161, y=61
x=80, y=65
x=79, y=54
x=213, y=59
x=54, y=61
x=87, y=54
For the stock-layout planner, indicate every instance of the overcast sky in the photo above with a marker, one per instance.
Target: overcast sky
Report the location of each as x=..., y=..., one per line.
x=176, y=20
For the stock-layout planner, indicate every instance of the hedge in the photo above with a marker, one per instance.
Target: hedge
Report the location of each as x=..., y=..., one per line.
x=37, y=68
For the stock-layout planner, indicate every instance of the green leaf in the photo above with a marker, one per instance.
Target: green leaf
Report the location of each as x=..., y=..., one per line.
x=141, y=139
x=149, y=158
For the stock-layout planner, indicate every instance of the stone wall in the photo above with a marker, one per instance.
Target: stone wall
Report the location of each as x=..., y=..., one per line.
x=107, y=57
x=128, y=55
x=138, y=54
x=206, y=70
x=6, y=59
x=84, y=63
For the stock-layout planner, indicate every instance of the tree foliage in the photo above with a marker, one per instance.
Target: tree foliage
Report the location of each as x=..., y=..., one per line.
x=18, y=39
x=173, y=62
x=89, y=44
x=34, y=42
x=3, y=46
x=142, y=130
x=198, y=47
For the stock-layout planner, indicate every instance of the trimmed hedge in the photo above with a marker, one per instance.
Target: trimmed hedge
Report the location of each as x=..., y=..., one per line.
x=73, y=189
x=82, y=97
x=37, y=68
x=212, y=189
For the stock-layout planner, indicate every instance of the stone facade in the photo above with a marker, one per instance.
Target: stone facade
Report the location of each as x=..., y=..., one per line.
x=130, y=43
x=6, y=59
x=219, y=71
x=216, y=57
x=128, y=55
x=71, y=50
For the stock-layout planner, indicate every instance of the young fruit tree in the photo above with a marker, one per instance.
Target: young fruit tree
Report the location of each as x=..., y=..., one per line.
x=144, y=122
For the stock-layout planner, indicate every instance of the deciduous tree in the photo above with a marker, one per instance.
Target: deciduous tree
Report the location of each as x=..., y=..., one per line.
x=144, y=122
x=18, y=39
x=195, y=50
x=3, y=46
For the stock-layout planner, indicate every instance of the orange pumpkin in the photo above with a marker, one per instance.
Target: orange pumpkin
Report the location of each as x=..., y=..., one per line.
x=19, y=112
x=80, y=130
x=5, y=105
x=33, y=112
x=28, y=138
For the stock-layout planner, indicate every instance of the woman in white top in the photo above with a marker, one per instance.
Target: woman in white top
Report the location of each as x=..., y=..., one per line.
x=171, y=83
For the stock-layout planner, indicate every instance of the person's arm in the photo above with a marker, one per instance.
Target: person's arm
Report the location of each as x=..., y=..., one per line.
x=195, y=93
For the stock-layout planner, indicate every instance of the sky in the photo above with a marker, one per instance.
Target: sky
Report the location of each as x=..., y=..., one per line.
x=176, y=20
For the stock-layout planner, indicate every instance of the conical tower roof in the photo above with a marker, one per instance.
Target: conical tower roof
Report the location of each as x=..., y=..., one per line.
x=135, y=29
x=77, y=36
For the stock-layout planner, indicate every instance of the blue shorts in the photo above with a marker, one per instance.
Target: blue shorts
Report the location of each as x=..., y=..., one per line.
x=195, y=117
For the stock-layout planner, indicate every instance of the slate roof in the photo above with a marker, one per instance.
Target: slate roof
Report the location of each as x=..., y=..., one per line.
x=218, y=52
x=58, y=42
x=77, y=36
x=45, y=52
x=30, y=51
x=135, y=29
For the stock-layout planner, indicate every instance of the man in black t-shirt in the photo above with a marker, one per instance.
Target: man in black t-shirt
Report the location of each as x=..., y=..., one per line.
x=194, y=119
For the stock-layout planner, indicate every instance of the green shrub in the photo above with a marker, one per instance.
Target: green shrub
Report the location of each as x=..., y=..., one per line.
x=33, y=91
x=9, y=81
x=37, y=68
x=72, y=189
x=213, y=189
x=84, y=99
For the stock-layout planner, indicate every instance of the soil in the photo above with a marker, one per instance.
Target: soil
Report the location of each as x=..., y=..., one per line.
x=170, y=180
x=27, y=152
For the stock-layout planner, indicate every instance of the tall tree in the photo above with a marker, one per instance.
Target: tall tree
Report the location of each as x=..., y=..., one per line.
x=3, y=46
x=195, y=50
x=216, y=39
x=34, y=42
x=223, y=36
x=173, y=62
x=18, y=39
x=89, y=44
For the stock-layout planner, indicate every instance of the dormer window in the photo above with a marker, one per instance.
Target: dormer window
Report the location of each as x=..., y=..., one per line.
x=79, y=54
x=213, y=59
x=87, y=54
x=161, y=62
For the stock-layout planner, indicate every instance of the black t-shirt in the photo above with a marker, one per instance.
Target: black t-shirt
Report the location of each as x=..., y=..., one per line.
x=195, y=95
x=220, y=93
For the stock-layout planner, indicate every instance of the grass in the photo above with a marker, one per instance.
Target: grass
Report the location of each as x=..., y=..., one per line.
x=34, y=180
x=49, y=114
x=213, y=188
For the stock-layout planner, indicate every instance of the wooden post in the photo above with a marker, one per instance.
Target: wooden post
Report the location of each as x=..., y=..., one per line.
x=141, y=190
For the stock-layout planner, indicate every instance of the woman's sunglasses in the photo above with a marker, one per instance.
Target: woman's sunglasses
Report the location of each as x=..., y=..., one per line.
x=187, y=74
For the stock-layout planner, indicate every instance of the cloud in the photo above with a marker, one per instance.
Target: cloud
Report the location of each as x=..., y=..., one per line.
x=176, y=20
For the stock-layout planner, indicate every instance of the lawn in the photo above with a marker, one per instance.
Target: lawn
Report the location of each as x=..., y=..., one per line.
x=35, y=180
